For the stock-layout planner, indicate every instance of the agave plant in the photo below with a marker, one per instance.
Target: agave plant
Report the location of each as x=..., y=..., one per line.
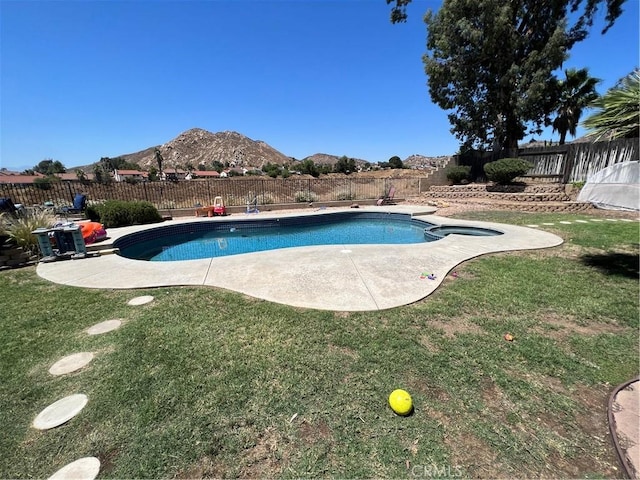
x=20, y=229
x=619, y=111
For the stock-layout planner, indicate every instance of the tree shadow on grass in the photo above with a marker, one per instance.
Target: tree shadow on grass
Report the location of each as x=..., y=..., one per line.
x=621, y=264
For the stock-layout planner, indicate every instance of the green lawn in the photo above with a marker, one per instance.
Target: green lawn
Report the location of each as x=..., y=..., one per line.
x=206, y=383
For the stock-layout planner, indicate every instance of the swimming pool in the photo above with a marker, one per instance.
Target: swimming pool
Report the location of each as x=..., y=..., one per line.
x=207, y=239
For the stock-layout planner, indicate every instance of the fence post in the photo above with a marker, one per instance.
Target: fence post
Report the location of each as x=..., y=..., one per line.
x=70, y=191
x=569, y=159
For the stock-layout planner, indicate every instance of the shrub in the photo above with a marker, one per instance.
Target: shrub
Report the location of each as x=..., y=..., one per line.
x=20, y=229
x=265, y=199
x=503, y=171
x=42, y=183
x=305, y=196
x=458, y=174
x=345, y=194
x=4, y=223
x=118, y=213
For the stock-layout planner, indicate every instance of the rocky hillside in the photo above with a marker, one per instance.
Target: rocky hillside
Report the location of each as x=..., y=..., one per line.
x=198, y=146
x=422, y=162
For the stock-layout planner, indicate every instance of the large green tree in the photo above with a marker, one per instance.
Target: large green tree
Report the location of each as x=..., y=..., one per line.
x=345, y=165
x=576, y=92
x=492, y=62
x=50, y=167
x=618, y=111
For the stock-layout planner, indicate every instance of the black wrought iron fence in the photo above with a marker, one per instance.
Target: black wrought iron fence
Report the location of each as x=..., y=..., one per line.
x=234, y=191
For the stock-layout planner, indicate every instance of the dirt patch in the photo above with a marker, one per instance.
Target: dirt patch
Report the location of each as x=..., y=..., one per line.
x=458, y=326
x=541, y=382
x=107, y=460
x=344, y=351
x=264, y=459
x=473, y=456
x=564, y=326
x=425, y=341
x=206, y=467
x=313, y=432
x=427, y=389
x=592, y=421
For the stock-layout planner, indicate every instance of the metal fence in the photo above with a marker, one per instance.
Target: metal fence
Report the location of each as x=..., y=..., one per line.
x=234, y=191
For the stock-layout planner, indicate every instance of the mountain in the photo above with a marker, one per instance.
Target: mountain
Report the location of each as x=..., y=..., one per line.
x=198, y=146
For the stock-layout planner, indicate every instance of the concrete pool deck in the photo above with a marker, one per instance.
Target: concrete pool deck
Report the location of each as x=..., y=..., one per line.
x=330, y=277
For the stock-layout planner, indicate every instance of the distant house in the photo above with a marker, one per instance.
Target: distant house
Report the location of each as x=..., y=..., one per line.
x=73, y=176
x=173, y=174
x=7, y=176
x=205, y=174
x=235, y=171
x=124, y=175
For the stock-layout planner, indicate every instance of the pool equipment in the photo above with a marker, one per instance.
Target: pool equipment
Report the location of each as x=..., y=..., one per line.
x=60, y=242
x=252, y=204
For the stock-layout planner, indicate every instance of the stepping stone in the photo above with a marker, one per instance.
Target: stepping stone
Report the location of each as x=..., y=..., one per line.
x=596, y=220
x=104, y=327
x=548, y=224
x=71, y=363
x=564, y=222
x=612, y=219
x=581, y=221
x=60, y=412
x=532, y=226
x=86, y=468
x=626, y=220
x=140, y=300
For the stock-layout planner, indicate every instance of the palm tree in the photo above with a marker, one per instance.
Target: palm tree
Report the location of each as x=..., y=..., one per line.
x=619, y=110
x=159, y=159
x=576, y=92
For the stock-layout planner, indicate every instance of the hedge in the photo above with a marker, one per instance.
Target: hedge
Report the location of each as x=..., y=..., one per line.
x=118, y=213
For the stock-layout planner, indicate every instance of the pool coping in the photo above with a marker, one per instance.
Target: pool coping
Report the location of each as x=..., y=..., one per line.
x=328, y=277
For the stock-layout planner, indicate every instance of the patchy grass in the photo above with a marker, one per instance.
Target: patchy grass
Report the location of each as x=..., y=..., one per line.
x=207, y=383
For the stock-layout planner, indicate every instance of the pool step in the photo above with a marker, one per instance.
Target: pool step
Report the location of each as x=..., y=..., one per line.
x=102, y=248
x=106, y=251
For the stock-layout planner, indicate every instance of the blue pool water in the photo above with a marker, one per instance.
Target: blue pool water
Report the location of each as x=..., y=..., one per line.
x=208, y=239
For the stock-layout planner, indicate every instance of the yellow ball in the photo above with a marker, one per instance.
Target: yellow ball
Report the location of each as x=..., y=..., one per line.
x=400, y=402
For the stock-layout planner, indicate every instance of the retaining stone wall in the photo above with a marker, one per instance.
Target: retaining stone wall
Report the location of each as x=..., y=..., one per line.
x=543, y=197
x=13, y=256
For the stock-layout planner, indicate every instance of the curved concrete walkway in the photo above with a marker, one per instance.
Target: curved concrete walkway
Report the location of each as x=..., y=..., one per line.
x=332, y=277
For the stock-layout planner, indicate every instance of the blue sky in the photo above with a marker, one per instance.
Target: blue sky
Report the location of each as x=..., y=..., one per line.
x=85, y=79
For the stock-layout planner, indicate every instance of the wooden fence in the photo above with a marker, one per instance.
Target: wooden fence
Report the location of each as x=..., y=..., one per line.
x=568, y=163
x=235, y=191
